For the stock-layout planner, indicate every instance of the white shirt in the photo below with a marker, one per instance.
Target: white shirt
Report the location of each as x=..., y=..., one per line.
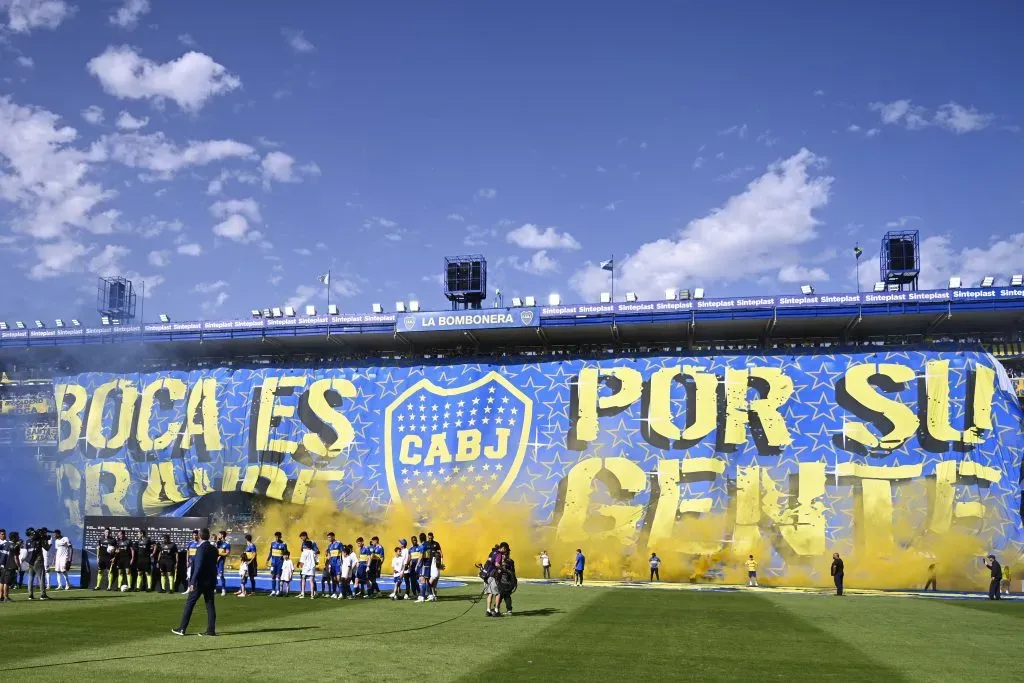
x=397, y=564
x=347, y=563
x=287, y=569
x=545, y=561
x=308, y=561
x=62, y=552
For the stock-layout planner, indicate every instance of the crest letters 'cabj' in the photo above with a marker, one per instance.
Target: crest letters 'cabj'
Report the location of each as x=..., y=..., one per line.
x=465, y=443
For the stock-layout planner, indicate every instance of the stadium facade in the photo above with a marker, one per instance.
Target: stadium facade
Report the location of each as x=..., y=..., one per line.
x=798, y=424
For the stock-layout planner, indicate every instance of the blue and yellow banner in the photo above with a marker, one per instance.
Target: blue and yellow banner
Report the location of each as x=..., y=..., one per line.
x=800, y=453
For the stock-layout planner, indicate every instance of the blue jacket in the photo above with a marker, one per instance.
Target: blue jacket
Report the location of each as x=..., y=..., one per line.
x=204, y=566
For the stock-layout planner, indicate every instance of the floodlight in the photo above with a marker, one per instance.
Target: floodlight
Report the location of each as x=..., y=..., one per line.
x=3, y=325
x=400, y=306
x=807, y=290
x=164, y=318
x=516, y=302
x=879, y=287
x=276, y=312
x=955, y=283
x=606, y=298
x=1017, y=280
x=630, y=296
x=684, y=294
x=75, y=322
x=39, y=324
x=255, y=312
x=267, y=313
x=377, y=308
x=414, y=306
x=59, y=322
x=698, y=293
x=115, y=321
x=104, y=320
x=310, y=310
x=554, y=299
x=671, y=294
x=332, y=309
x=529, y=301
x=289, y=311
x=988, y=281
x=893, y=288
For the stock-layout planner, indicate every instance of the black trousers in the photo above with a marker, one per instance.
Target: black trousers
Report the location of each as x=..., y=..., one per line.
x=411, y=586
x=838, y=578
x=931, y=584
x=655, y=576
x=547, y=572
x=252, y=576
x=579, y=578
x=207, y=593
x=507, y=597
x=993, y=590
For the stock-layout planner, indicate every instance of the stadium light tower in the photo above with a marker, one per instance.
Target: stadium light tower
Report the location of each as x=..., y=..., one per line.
x=900, y=258
x=1017, y=280
x=988, y=281
x=554, y=299
x=955, y=283
x=807, y=290
x=465, y=281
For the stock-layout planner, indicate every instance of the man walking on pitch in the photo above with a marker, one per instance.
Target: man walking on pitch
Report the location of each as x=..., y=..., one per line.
x=655, y=563
x=837, y=573
x=996, y=574
x=751, y=572
x=202, y=582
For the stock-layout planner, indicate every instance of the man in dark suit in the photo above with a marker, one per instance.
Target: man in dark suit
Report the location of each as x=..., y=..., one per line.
x=838, y=572
x=202, y=582
x=996, y=574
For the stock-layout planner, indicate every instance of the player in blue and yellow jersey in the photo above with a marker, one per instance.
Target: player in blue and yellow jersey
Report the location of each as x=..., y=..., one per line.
x=426, y=563
x=303, y=537
x=276, y=560
x=333, y=564
x=190, y=553
x=376, y=562
x=249, y=556
x=363, y=555
x=415, y=554
x=223, y=550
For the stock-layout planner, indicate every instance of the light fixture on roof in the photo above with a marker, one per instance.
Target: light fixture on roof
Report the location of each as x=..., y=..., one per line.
x=164, y=318
x=529, y=301
x=1017, y=280
x=115, y=321
x=671, y=294
x=414, y=306
x=276, y=312
x=517, y=302
x=377, y=308
x=684, y=294
x=289, y=311
x=879, y=287
x=75, y=322
x=893, y=288
x=807, y=290
x=955, y=283
x=104, y=320
x=332, y=309
x=400, y=306
x=310, y=310
x=698, y=293
x=606, y=298
x=554, y=299
x=630, y=296
x=3, y=325
x=39, y=324
x=59, y=322
x=988, y=281
x=256, y=312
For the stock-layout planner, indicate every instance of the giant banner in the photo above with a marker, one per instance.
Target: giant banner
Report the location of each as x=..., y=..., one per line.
x=793, y=455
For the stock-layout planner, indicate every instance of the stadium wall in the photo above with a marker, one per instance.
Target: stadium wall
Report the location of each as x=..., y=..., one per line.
x=789, y=456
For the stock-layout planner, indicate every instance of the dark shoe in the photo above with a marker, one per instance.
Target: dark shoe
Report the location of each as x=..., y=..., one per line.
x=44, y=597
x=177, y=632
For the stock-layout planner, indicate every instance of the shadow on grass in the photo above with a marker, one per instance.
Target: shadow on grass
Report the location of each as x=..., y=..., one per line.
x=247, y=632
x=543, y=612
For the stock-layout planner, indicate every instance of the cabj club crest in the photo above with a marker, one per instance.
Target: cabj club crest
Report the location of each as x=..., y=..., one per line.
x=409, y=322
x=449, y=449
x=526, y=317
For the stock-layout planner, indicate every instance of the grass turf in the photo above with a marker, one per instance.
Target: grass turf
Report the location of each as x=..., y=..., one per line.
x=557, y=633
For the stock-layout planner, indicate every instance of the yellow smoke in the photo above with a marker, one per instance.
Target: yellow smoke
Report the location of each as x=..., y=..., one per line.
x=699, y=550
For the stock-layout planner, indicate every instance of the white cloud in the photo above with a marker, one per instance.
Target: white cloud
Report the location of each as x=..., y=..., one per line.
x=378, y=221
x=159, y=259
x=739, y=131
x=189, y=81
x=25, y=15
x=187, y=40
x=275, y=280
x=57, y=258
x=698, y=162
x=902, y=221
x=210, y=306
x=190, y=249
x=155, y=153
x=151, y=227
x=236, y=228
x=26, y=62
x=601, y=169
x=248, y=207
x=538, y=264
x=93, y=115
x=128, y=14
x=128, y=122
x=456, y=217
x=210, y=287
x=735, y=174
x=940, y=261
x=767, y=139
x=853, y=128
x=107, y=263
x=960, y=119
x=796, y=273
x=612, y=206
x=754, y=233
x=487, y=193
x=302, y=251
x=529, y=236
x=477, y=236
x=297, y=41
x=872, y=132
x=819, y=93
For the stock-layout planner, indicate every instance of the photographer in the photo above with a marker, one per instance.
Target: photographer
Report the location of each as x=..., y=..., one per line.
x=507, y=580
x=37, y=543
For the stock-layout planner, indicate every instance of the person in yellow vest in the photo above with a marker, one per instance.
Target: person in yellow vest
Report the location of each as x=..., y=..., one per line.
x=1004, y=586
x=752, y=572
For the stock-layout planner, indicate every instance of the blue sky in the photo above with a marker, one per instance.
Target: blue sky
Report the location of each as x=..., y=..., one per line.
x=228, y=156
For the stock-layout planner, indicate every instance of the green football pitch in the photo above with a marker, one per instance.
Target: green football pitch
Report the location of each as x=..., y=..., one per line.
x=557, y=633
